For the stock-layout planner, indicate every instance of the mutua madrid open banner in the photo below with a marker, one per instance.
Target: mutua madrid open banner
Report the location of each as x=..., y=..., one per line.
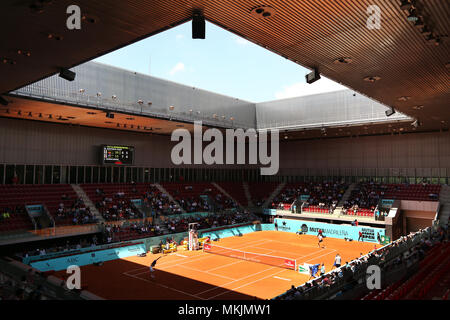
x=339, y=231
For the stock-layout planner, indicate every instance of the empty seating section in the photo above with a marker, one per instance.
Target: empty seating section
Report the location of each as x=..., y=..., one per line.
x=365, y=197
x=417, y=192
x=235, y=190
x=432, y=268
x=49, y=195
x=259, y=192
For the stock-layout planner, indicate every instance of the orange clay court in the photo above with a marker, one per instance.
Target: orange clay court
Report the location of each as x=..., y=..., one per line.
x=197, y=275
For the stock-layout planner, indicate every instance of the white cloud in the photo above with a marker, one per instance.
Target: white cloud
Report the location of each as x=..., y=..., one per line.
x=177, y=68
x=300, y=89
x=242, y=41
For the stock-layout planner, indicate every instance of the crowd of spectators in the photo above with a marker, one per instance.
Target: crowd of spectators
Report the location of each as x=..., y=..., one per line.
x=115, y=207
x=77, y=212
x=365, y=196
x=25, y=289
x=171, y=225
x=223, y=202
x=325, y=195
x=404, y=251
x=67, y=246
x=7, y=213
x=159, y=203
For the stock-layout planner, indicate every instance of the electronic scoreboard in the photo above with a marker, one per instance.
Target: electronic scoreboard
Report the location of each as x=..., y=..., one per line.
x=112, y=154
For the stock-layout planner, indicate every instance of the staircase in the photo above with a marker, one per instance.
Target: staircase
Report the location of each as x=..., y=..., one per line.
x=274, y=194
x=222, y=190
x=444, y=199
x=346, y=195
x=248, y=195
x=163, y=190
x=87, y=201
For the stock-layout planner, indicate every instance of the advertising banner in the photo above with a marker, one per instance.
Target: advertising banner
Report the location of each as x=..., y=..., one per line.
x=339, y=231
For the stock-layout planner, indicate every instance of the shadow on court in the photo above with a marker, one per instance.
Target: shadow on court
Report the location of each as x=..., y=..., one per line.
x=109, y=281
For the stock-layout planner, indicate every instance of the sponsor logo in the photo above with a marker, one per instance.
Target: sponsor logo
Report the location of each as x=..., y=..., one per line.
x=72, y=260
x=304, y=228
x=289, y=263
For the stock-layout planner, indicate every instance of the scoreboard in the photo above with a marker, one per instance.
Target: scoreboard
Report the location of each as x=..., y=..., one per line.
x=117, y=154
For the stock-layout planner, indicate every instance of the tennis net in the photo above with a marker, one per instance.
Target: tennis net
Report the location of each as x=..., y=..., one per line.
x=276, y=261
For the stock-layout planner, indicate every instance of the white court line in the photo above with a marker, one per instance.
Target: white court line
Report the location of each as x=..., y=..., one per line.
x=198, y=270
x=240, y=261
x=167, y=287
x=244, y=285
x=169, y=264
x=251, y=275
x=193, y=259
x=315, y=252
x=322, y=255
x=282, y=278
x=180, y=255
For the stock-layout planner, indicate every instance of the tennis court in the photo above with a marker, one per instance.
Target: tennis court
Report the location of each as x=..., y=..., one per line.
x=201, y=275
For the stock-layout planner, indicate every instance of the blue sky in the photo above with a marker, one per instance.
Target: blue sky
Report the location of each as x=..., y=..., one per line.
x=223, y=63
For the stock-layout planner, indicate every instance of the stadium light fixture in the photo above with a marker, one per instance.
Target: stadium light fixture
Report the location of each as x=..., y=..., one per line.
x=67, y=74
x=198, y=26
x=390, y=112
x=312, y=76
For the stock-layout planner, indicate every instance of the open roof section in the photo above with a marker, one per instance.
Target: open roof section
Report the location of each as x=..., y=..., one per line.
x=223, y=63
x=312, y=33
x=106, y=88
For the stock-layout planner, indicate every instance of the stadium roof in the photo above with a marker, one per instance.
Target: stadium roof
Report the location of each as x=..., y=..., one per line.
x=413, y=73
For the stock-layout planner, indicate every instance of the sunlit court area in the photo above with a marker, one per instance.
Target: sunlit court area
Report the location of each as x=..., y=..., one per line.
x=260, y=151
x=204, y=276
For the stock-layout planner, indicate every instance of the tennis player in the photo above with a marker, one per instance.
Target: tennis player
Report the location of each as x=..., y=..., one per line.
x=320, y=237
x=152, y=266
